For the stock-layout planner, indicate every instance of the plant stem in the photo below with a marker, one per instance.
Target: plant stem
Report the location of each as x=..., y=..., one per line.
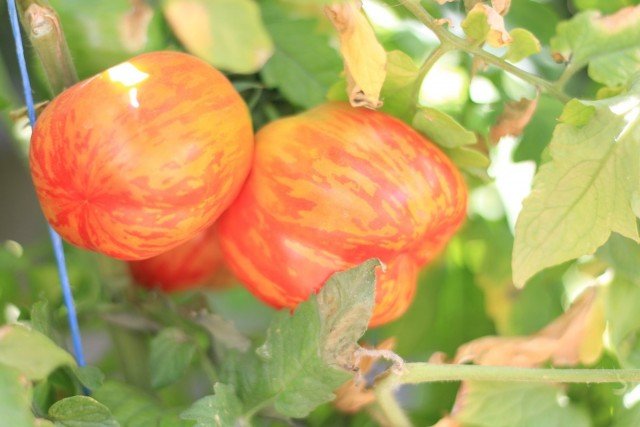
x=208, y=368
x=42, y=25
x=416, y=373
x=387, y=402
x=428, y=64
x=566, y=75
x=426, y=372
x=451, y=41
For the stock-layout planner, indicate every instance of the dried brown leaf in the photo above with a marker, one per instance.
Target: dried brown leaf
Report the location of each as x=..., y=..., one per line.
x=365, y=60
x=498, y=35
x=443, y=21
x=575, y=337
x=501, y=6
x=625, y=17
x=514, y=118
x=354, y=395
x=134, y=24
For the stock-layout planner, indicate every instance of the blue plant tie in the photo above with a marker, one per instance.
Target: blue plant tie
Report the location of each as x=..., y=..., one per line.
x=55, y=238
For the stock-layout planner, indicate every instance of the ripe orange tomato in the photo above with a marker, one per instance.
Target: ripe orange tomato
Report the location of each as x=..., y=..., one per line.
x=141, y=157
x=195, y=262
x=335, y=186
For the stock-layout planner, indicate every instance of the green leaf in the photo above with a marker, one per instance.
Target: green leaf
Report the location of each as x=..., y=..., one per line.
x=17, y=344
x=90, y=376
x=470, y=160
x=223, y=331
x=516, y=404
x=15, y=398
x=220, y=410
x=623, y=255
x=475, y=26
x=609, y=44
x=616, y=69
x=133, y=408
x=539, y=18
x=81, y=411
x=442, y=129
x=399, y=86
x=623, y=321
x=306, y=355
x=538, y=132
x=227, y=33
x=584, y=193
x=523, y=44
x=40, y=315
x=101, y=34
x=628, y=417
x=171, y=354
x=576, y=113
x=605, y=6
x=304, y=65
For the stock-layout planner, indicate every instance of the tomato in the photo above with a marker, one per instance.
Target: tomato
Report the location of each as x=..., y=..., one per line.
x=193, y=263
x=143, y=156
x=335, y=186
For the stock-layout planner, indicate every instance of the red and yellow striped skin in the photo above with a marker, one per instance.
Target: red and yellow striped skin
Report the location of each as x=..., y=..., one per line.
x=192, y=264
x=335, y=186
x=140, y=158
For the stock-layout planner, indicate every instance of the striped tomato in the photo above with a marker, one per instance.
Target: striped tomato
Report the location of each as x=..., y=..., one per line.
x=140, y=158
x=195, y=262
x=332, y=187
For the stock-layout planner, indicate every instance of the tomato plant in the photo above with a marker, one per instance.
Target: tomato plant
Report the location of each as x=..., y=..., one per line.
x=141, y=157
x=331, y=188
x=431, y=209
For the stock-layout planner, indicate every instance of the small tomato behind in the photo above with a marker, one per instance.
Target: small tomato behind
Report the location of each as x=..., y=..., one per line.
x=194, y=263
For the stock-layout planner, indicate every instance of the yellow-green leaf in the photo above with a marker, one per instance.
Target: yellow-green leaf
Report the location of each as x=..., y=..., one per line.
x=523, y=44
x=227, y=33
x=586, y=191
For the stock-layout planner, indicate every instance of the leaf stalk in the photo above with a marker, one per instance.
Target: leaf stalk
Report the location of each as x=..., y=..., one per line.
x=451, y=41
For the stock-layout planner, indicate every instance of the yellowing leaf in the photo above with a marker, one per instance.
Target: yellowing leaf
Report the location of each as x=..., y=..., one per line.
x=610, y=45
x=514, y=118
x=575, y=337
x=227, y=33
x=509, y=404
x=576, y=113
x=483, y=23
x=523, y=44
x=585, y=192
x=364, y=57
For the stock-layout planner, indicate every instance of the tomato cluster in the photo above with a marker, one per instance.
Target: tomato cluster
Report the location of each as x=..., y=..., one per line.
x=139, y=161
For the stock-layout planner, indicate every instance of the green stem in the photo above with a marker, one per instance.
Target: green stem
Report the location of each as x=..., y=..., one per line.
x=452, y=41
x=387, y=402
x=42, y=25
x=208, y=368
x=566, y=75
x=416, y=373
x=132, y=349
x=428, y=64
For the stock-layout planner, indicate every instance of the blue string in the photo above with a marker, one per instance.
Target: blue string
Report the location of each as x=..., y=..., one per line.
x=55, y=238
